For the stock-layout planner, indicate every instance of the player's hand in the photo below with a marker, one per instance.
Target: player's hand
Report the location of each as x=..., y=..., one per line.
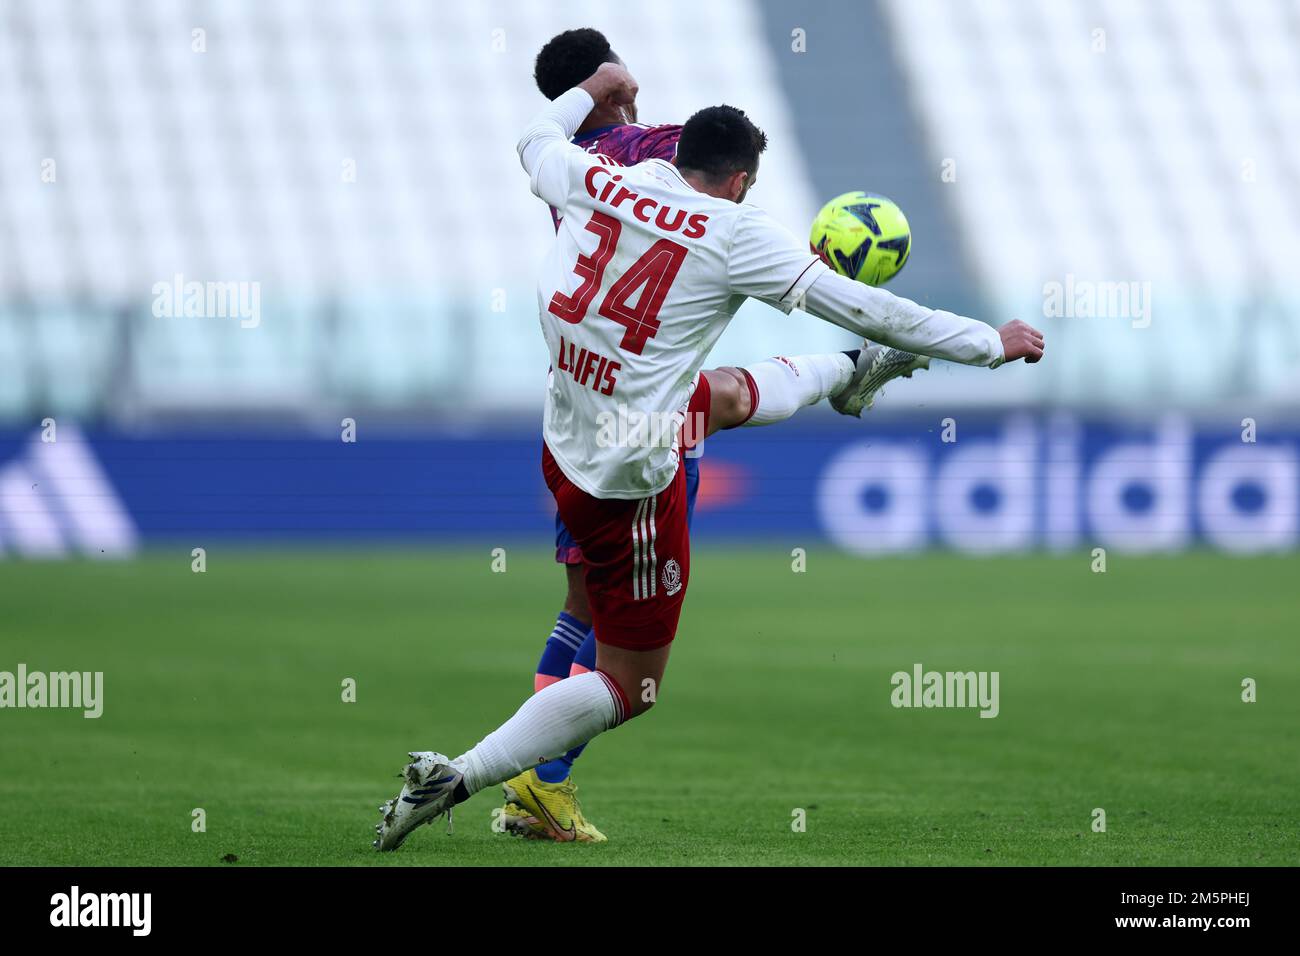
x=1021, y=341
x=612, y=85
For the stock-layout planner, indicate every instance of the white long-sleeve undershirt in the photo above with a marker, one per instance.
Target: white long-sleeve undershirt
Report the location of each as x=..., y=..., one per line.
x=892, y=320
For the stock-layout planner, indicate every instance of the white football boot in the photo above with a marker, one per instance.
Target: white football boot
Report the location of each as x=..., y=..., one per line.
x=877, y=364
x=426, y=795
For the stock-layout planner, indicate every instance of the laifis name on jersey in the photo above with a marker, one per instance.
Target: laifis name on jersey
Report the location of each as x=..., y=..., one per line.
x=587, y=367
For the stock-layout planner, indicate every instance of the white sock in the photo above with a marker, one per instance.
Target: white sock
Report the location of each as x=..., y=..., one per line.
x=786, y=385
x=550, y=723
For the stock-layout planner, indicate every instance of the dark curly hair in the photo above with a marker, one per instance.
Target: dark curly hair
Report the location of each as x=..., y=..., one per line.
x=570, y=58
x=720, y=141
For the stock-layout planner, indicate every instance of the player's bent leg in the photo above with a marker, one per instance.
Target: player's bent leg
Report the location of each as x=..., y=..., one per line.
x=773, y=390
x=781, y=386
x=730, y=403
x=638, y=568
x=639, y=674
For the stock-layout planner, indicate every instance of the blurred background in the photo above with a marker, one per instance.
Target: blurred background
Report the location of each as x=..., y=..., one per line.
x=267, y=268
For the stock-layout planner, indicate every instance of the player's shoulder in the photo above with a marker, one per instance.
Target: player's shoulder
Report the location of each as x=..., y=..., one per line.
x=747, y=230
x=757, y=221
x=740, y=216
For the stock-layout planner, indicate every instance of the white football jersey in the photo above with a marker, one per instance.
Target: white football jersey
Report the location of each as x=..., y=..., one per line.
x=644, y=276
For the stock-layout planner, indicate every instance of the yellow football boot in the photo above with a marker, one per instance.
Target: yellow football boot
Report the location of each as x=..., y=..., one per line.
x=546, y=811
x=512, y=818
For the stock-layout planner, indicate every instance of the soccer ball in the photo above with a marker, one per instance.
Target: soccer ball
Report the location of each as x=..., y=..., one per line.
x=862, y=236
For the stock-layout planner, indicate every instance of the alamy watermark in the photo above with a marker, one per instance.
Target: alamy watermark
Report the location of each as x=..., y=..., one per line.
x=208, y=300
x=1087, y=299
x=922, y=688
x=629, y=428
x=77, y=690
x=129, y=910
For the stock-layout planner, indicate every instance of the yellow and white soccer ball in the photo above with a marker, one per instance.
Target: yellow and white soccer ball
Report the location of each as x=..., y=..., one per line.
x=862, y=236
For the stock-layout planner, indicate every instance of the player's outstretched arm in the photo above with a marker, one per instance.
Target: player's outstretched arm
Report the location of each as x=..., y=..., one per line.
x=544, y=148
x=767, y=262
x=884, y=317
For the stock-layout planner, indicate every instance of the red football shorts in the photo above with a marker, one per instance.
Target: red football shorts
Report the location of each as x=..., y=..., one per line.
x=636, y=553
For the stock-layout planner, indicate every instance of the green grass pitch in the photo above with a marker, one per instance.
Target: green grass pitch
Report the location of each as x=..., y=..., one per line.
x=223, y=692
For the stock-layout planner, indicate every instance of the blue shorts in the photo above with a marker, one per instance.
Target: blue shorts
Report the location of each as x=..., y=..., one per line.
x=567, y=550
